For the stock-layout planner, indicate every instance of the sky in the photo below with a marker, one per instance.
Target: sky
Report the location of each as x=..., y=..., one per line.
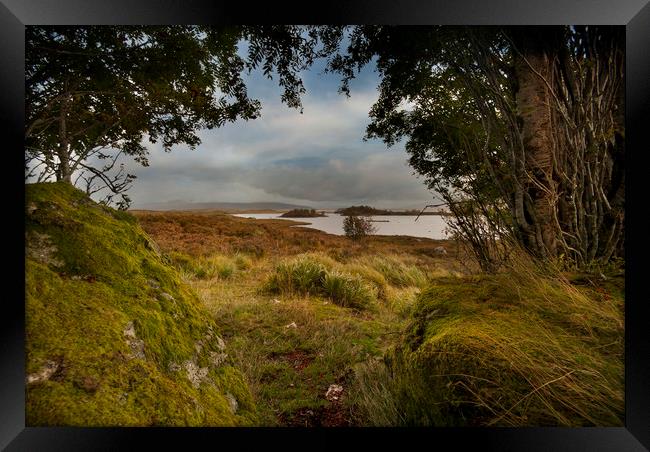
x=316, y=158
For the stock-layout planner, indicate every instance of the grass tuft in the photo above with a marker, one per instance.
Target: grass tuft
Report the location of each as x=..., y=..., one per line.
x=396, y=271
x=347, y=291
x=301, y=276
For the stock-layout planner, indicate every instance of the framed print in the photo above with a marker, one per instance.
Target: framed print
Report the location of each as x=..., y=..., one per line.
x=375, y=221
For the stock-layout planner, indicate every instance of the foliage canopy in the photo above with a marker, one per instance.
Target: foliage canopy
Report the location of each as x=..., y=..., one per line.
x=95, y=93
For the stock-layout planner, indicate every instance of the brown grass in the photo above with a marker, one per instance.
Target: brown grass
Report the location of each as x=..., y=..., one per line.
x=209, y=232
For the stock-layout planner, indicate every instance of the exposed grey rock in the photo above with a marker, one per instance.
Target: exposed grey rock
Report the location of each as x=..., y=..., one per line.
x=48, y=369
x=166, y=296
x=232, y=401
x=195, y=374
x=440, y=250
x=153, y=284
x=217, y=359
x=40, y=248
x=122, y=398
x=334, y=392
x=136, y=345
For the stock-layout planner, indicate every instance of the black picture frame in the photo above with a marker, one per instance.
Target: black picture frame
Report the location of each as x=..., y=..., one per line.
x=633, y=14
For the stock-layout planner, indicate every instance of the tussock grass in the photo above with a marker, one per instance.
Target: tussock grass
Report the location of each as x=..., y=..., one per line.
x=352, y=284
x=401, y=300
x=242, y=261
x=319, y=258
x=372, y=276
x=514, y=349
x=315, y=274
x=347, y=291
x=396, y=271
x=209, y=267
x=300, y=276
x=377, y=394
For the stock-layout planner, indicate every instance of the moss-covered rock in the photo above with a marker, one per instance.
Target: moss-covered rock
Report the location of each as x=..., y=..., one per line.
x=507, y=350
x=113, y=336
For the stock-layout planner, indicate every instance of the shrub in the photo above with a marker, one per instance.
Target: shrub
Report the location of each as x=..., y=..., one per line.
x=357, y=228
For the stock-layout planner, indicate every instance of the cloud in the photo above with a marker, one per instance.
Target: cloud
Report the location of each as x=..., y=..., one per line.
x=320, y=182
x=316, y=158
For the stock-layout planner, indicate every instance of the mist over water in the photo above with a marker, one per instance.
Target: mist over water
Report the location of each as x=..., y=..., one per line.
x=428, y=226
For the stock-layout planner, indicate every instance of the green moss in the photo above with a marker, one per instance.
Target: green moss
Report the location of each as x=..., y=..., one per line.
x=91, y=274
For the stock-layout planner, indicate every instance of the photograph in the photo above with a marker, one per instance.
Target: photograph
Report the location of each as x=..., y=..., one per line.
x=325, y=225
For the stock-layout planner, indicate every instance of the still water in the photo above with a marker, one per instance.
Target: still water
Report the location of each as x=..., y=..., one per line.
x=429, y=226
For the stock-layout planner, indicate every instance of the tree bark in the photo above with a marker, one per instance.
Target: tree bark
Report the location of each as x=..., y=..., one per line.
x=63, y=151
x=534, y=72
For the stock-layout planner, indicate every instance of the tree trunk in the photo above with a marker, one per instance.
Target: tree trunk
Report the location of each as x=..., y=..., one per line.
x=534, y=72
x=63, y=172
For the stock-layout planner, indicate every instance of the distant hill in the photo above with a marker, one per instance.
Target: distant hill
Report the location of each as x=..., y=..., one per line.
x=370, y=211
x=228, y=206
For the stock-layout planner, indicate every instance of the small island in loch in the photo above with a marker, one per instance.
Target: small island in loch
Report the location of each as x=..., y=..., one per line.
x=367, y=211
x=302, y=213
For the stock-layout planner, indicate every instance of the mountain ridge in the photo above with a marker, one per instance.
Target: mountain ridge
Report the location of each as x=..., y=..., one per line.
x=216, y=205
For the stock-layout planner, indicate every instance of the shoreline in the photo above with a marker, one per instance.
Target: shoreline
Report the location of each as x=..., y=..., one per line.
x=309, y=226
